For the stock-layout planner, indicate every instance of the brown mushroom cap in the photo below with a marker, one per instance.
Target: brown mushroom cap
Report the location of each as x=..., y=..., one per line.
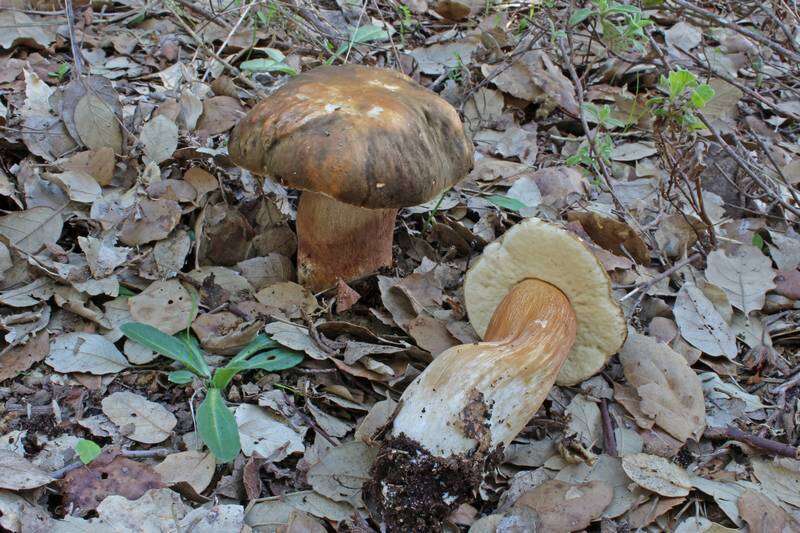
x=365, y=136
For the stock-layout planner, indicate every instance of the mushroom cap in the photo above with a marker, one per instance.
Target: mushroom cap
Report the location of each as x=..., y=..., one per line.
x=365, y=136
x=536, y=249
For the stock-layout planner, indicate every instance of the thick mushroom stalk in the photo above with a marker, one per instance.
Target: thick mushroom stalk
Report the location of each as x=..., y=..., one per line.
x=338, y=240
x=543, y=304
x=478, y=396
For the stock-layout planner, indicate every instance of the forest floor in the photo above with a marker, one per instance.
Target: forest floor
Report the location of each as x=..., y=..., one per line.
x=665, y=134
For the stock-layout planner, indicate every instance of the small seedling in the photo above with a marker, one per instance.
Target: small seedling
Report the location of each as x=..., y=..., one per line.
x=216, y=425
x=61, y=72
x=621, y=25
x=684, y=96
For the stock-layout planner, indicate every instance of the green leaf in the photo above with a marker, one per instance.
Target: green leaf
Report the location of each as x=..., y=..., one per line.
x=679, y=80
x=180, y=377
x=195, y=352
x=261, y=342
x=217, y=427
x=87, y=450
x=223, y=376
x=506, y=203
x=275, y=54
x=579, y=15
x=265, y=64
x=702, y=95
x=369, y=33
x=166, y=345
x=758, y=241
x=273, y=360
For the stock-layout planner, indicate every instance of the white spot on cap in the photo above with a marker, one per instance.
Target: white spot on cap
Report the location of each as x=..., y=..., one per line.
x=330, y=108
x=380, y=185
x=541, y=323
x=375, y=111
x=387, y=86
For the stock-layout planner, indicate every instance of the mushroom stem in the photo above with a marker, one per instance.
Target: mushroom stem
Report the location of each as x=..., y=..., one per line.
x=338, y=240
x=478, y=396
x=472, y=400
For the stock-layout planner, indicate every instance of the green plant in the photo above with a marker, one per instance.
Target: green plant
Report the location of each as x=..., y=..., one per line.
x=276, y=62
x=684, y=95
x=621, y=25
x=61, y=72
x=87, y=450
x=360, y=35
x=216, y=425
x=407, y=21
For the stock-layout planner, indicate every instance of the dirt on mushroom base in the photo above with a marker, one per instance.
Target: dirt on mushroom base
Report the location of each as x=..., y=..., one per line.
x=411, y=490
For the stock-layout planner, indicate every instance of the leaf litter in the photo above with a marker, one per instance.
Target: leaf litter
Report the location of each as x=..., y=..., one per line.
x=121, y=205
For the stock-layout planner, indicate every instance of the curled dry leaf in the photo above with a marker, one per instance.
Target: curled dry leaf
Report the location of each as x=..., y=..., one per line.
x=224, y=333
x=79, y=186
x=657, y=474
x=702, y=325
x=611, y=234
x=669, y=391
x=745, y=274
x=151, y=421
x=565, y=507
x=165, y=305
x=85, y=352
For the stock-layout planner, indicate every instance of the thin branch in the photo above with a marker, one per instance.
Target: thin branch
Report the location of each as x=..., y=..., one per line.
x=770, y=446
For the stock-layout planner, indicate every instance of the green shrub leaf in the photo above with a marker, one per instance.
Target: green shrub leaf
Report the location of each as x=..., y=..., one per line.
x=87, y=450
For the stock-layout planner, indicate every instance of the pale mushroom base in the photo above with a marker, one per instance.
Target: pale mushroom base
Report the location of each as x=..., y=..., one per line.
x=340, y=241
x=456, y=418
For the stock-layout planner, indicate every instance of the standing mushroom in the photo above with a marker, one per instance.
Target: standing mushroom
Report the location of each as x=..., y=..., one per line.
x=542, y=303
x=360, y=142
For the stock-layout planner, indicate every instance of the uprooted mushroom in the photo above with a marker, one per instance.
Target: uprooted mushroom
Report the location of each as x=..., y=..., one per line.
x=542, y=303
x=360, y=142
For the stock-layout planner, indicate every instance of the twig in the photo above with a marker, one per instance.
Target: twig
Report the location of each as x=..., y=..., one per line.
x=155, y=452
x=768, y=445
x=744, y=166
x=219, y=21
x=719, y=21
x=668, y=272
x=609, y=440
x=235, y=71
x=77, y=59
x=230, y=34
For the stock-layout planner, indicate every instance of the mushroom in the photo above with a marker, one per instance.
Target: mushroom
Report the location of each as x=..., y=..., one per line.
x=542, y=303
x=360, y=142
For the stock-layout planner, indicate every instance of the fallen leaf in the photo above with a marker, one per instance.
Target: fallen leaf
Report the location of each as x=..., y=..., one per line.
x=103, y=257
x=657, y=474
x=611, y=234
x=85, y=352
x=21, y=358
x=84, y=488
x=165, y=305
x=669, y=391
x=780, y=478
x=97, y=163
x=193, y=467
x=295, y=337
x=159, y=138
x=31, y=229
x=745, y=275
x=156, y=510
x=21, y=30
x=150, y=220
x=608, y=470
x=633, y=151
x=699, y=524
x=266, y=434
x=289, y=297
x=565, y=507
x=761, y=514
x=701, y=324
x=97, y=124
x=19, y=473
x=152, y=422
x=439, y=57
x=79, y=186
x=220, y=113
x=274, y=511
x=342, y=471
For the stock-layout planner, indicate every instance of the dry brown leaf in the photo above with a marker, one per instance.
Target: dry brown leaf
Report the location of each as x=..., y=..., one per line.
x=19, y=473
x=565, y=507
x=193, y=467
x=84, y=488
x=165, y=305
x=160, y=139
x=85, y=352
x=761, y=514
x=289, y=297
x=669, y=391
x=657, y=474
x=224, y=333
x=150, y=220
x=701, y=324
x=745, y=274
x=220, y=113
x=152, y=422
x=20, y=30
x=342, y=471
x=615, y=236
x=97, y=163
x=21, y=358
x=32, y=229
